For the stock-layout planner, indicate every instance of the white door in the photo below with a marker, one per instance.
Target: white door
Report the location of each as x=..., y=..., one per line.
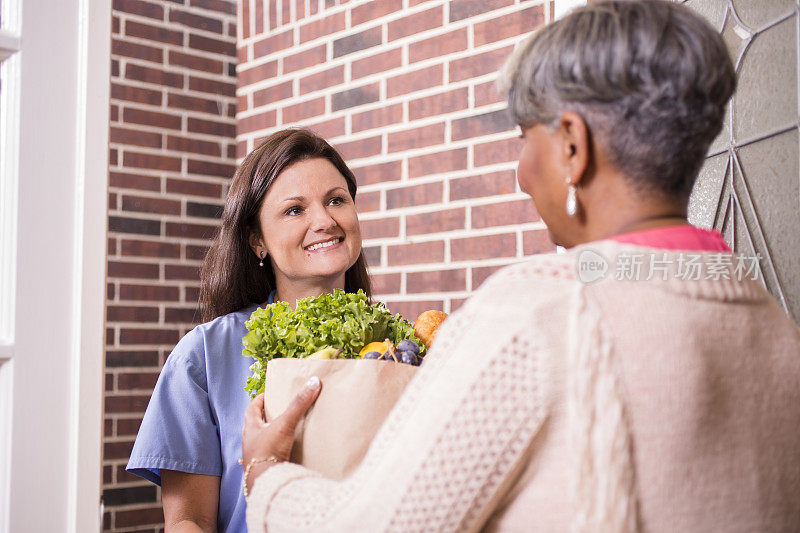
x=53, y=161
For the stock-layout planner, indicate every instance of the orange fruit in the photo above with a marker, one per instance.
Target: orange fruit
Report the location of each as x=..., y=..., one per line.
x=379, y=347
x=427, y=325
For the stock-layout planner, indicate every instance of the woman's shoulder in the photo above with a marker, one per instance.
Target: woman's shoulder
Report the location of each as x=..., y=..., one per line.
x=535, y=272
x=225, y=323
x=536, y=283
x=224, y=332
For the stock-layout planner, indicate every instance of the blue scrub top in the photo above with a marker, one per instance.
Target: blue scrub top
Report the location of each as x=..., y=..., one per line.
x=193, y=422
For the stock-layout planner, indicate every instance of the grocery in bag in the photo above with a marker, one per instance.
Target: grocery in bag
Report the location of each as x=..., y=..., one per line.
x=357, y=349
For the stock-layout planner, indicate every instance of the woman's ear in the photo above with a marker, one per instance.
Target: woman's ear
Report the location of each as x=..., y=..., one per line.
x=575, y=145
x=256, y=243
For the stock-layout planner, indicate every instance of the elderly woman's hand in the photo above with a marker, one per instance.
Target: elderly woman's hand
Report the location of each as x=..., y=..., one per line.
x=271, y=441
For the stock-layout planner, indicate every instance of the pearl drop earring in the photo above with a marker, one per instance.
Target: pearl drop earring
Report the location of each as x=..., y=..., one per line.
x=572, y=198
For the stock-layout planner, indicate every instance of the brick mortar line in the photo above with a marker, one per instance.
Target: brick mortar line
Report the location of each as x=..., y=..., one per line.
x=166, y=89
x=189, y=219
x=188, y=113
x=206, y=12
x=321, y=14
x=170, y=47
x=156, y=173
x=402, y=221
x=169, y=131
x=455, y=174
x=453, y=204
x=144, y=128
x=139, y=324
x=468, y=23
x=138, y=506
x=154, y=239
x=176, y=70
x=160, y=261
x=135, y=347
x=362, y=54
x=166, y=24
x=129, y=484
x=135, y=280
x=143, y=325
x=440, y=267
x=168, y=196
x=406, y=298
x=172, y=152
x=394, y=16
x=179, y=284
x=139, y=215
x=395, y=127
x=428, y=150
x=446, y=237
x=181, y=287
x=405, y=98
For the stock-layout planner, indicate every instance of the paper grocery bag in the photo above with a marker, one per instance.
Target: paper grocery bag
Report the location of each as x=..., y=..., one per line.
x=356, y=397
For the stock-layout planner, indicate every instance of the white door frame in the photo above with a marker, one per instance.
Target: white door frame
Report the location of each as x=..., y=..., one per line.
x=52, y=380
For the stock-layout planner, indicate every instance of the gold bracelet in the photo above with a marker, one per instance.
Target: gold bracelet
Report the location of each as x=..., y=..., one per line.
x=254, y=460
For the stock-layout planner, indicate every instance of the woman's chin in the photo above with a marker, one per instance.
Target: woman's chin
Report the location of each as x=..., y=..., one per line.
x=331, y=271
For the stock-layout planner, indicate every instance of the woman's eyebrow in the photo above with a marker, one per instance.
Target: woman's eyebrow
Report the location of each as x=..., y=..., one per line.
x=300, y=199
x=303, y=198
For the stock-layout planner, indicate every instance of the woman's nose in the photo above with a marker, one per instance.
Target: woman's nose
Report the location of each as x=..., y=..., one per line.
x=322, y=220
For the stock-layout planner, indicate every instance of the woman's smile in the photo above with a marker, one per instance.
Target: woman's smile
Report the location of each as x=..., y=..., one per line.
x=325, y=246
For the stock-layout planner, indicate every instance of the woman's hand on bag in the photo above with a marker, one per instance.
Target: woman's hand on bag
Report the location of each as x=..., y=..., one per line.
x=262, y=439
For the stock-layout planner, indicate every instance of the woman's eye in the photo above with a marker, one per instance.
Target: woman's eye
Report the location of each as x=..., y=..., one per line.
x=293, y=211
x=337, y=200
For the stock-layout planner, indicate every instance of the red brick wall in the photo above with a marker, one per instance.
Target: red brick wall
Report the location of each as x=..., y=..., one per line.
x=406, y=90
x=172, y=138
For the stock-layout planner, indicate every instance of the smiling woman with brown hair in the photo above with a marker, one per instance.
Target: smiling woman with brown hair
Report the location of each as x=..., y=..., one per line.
x=289, y=230
x=637, y=381
x=232, y=276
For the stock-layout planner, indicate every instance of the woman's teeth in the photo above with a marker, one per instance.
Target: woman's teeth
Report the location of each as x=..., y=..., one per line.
x=322, y=245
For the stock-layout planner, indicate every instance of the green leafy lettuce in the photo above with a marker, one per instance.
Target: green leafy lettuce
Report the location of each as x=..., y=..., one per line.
x=341, y=320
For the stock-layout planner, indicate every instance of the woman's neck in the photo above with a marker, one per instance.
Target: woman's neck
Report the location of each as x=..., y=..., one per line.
x=289, y=292
x=614, y=208
x=651, y=222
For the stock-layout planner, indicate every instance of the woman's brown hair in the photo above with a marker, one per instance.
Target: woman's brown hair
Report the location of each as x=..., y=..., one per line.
x=230, y=277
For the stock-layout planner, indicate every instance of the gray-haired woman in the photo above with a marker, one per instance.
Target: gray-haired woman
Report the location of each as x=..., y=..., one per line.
x=640, y=381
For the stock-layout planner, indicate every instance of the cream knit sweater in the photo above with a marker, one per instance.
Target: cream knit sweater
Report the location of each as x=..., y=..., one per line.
x=549, y=404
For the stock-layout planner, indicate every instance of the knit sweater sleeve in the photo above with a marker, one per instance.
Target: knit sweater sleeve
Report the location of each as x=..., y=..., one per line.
x=450, y=448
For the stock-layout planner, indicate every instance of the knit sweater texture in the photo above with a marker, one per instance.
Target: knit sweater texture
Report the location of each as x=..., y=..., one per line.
x=547, y=403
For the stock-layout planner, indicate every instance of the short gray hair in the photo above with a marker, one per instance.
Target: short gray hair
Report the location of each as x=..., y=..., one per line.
x=650, y=78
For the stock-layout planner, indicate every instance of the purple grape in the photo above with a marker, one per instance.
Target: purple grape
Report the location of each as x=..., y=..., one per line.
x=409, y=358
x=407, y=345
x=388, y=357
x=372, y=355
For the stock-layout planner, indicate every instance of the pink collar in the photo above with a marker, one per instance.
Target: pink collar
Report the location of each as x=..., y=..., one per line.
x=682, y=237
